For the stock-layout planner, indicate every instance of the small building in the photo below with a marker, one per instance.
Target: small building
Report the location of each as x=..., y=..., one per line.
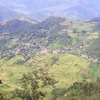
x=45, y=51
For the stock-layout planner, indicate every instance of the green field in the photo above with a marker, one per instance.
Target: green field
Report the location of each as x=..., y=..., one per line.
x=66, y=69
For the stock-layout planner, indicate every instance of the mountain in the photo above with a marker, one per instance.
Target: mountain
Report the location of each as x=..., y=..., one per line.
x=57, y=48
x=20, y=24
x=96, y=19
x=38, y=35
x=42, y=9
x=52, y=33
x=78, y=12
x=7, y=13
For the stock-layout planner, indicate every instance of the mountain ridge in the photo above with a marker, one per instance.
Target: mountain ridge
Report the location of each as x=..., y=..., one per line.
x=44, y=8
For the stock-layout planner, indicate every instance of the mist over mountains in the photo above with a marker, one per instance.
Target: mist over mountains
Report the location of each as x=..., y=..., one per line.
x=41, y=9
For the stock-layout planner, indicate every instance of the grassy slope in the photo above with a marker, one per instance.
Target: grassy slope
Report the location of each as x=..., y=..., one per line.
x=66, y=70
x=10, y=72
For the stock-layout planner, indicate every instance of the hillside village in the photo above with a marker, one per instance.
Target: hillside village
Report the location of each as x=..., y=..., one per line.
x=58, y=52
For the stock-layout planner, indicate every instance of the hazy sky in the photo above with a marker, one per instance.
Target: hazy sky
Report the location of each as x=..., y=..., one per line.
x=47, y=7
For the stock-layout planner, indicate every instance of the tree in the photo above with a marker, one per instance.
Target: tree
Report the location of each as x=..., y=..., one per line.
x=32, y=85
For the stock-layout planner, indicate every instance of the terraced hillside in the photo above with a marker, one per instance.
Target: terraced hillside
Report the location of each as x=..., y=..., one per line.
x=62, y=47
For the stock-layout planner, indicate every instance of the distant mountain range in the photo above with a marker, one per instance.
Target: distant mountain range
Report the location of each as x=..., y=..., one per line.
x=41, y=9
x=95, y=19
x=7, y=13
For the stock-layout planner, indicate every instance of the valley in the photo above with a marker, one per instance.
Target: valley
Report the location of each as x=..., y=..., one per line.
x=67, y=50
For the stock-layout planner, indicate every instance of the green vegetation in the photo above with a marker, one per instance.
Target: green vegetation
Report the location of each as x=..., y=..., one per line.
x=50, y=60
x=83, y=91
x=93, y=50
x=94, y=70
x=65, y=68
x=32, y=84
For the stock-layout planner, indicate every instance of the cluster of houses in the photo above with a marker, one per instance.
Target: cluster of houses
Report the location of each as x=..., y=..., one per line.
x=55, y=51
